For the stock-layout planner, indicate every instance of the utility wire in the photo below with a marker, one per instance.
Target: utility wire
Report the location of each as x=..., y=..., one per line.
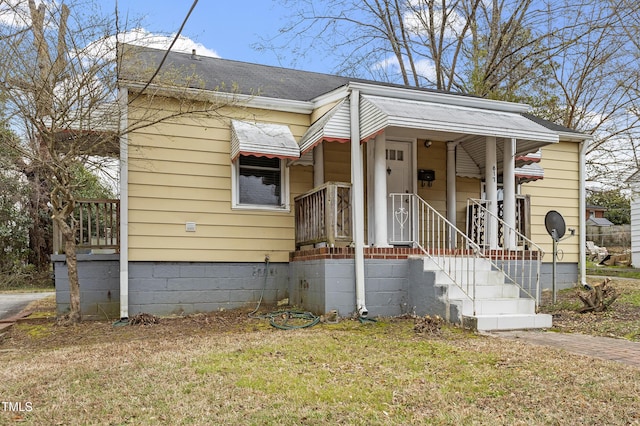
x=175, y=39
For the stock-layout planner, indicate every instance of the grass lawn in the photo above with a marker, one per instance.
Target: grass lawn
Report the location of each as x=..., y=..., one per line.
x=225, y=368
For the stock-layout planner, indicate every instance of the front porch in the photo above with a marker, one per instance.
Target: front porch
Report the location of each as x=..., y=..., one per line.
x=437, y=175
x=428, y=267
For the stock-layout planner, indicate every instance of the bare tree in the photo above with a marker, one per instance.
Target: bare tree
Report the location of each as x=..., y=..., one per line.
x=596, y=91
x=61, y=88
x=471, y=46
x=575, y=61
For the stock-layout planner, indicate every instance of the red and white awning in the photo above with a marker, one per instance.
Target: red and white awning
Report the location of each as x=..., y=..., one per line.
x=263, y=140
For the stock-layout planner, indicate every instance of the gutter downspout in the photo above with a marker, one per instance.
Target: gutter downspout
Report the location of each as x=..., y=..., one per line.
x=357, y=202
x=584, y=146
x=123, y=96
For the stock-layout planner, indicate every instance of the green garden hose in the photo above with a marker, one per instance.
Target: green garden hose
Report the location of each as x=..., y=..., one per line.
x=280, y=319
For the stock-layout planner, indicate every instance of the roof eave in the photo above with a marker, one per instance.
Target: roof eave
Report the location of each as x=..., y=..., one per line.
x=574, y=136
x=334, y=95
x=276, y=104
x=438, y=97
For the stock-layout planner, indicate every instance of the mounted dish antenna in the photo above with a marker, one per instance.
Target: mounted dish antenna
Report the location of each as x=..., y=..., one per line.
x=554, y=222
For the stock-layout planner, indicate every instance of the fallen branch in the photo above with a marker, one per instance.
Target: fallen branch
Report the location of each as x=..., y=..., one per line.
x=599, y=297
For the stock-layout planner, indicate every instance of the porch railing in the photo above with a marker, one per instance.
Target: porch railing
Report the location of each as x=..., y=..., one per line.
x=477, y=221
x=516, y=254
x=98, y=225
x=323, y=215
x=457, y=255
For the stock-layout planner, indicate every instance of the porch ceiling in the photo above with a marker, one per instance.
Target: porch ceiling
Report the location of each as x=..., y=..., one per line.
x=471, y=154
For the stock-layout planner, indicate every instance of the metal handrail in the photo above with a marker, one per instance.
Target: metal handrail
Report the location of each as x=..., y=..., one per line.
x=453, y=252
x=449, y=248
x=514, y=262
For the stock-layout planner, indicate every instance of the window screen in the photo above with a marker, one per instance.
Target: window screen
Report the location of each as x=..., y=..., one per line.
x=260, y=180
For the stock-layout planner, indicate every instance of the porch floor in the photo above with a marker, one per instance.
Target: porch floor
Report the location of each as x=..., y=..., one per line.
x=400, y=253
x=349, y=253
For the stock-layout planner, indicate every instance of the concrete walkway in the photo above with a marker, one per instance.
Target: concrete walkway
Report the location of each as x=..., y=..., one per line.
x=607, y=348
x=12, y=306
x=12, y=303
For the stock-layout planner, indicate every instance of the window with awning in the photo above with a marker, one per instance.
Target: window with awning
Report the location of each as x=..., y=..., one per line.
x=259, y=152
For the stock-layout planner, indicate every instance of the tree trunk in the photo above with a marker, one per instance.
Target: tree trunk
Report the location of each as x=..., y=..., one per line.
x=40, y=232
x=68, y=235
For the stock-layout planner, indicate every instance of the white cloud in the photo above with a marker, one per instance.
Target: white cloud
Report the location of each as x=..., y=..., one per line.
x=426, y=69
x=15, y=13
x=417, y=21
x=390, y=66
x=105, y=48
x=142, y=37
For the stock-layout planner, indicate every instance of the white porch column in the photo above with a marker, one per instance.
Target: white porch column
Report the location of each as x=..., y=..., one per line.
x=357, y=202
x=318, y=165
x=380, y=191
x=491, y=189
x=123, y=95
x=509, y=191
x=451, y=189
x=582, y=232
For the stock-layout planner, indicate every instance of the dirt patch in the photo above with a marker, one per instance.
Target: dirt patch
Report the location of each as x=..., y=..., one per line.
x=40, y=330
x=52, y=334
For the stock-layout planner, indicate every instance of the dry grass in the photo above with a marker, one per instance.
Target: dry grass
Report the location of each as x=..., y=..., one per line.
x=227, y=369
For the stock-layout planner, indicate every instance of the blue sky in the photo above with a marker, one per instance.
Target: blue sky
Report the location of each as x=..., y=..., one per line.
x=230, y=30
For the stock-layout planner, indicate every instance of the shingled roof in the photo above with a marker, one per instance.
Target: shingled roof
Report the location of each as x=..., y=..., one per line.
x=246, y=78
x=227, y=75
x=216, y=74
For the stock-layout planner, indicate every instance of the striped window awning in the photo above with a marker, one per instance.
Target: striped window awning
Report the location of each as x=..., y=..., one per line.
x=529, y=173
x=263, y=140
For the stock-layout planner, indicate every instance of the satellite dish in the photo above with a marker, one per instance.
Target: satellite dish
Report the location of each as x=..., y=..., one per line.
x=554, y=221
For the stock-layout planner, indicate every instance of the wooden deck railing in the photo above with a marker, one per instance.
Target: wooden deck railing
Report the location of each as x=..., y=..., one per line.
x=98, y=224
x=323, y=215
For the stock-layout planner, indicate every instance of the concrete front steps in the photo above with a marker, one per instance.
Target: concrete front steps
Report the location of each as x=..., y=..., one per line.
x=498, y=305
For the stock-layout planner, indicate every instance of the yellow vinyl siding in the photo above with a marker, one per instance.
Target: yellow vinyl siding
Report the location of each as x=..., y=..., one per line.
x=465, y=188
x=194, y=255
x=337, y=162
x=180, y=171
x=219, y=219
x=319, y=112
x=300, y=181
x=434, y=158
x=559, y=190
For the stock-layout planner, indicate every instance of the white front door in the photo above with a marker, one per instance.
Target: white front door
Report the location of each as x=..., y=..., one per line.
x=399, y=181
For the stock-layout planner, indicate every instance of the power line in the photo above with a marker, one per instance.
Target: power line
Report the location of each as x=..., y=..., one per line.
x=175, y=39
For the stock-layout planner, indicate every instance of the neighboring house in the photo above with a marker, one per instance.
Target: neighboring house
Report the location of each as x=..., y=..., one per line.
x=339, y=193
x=599, y=221
x=595, y=211
x=634, y=183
